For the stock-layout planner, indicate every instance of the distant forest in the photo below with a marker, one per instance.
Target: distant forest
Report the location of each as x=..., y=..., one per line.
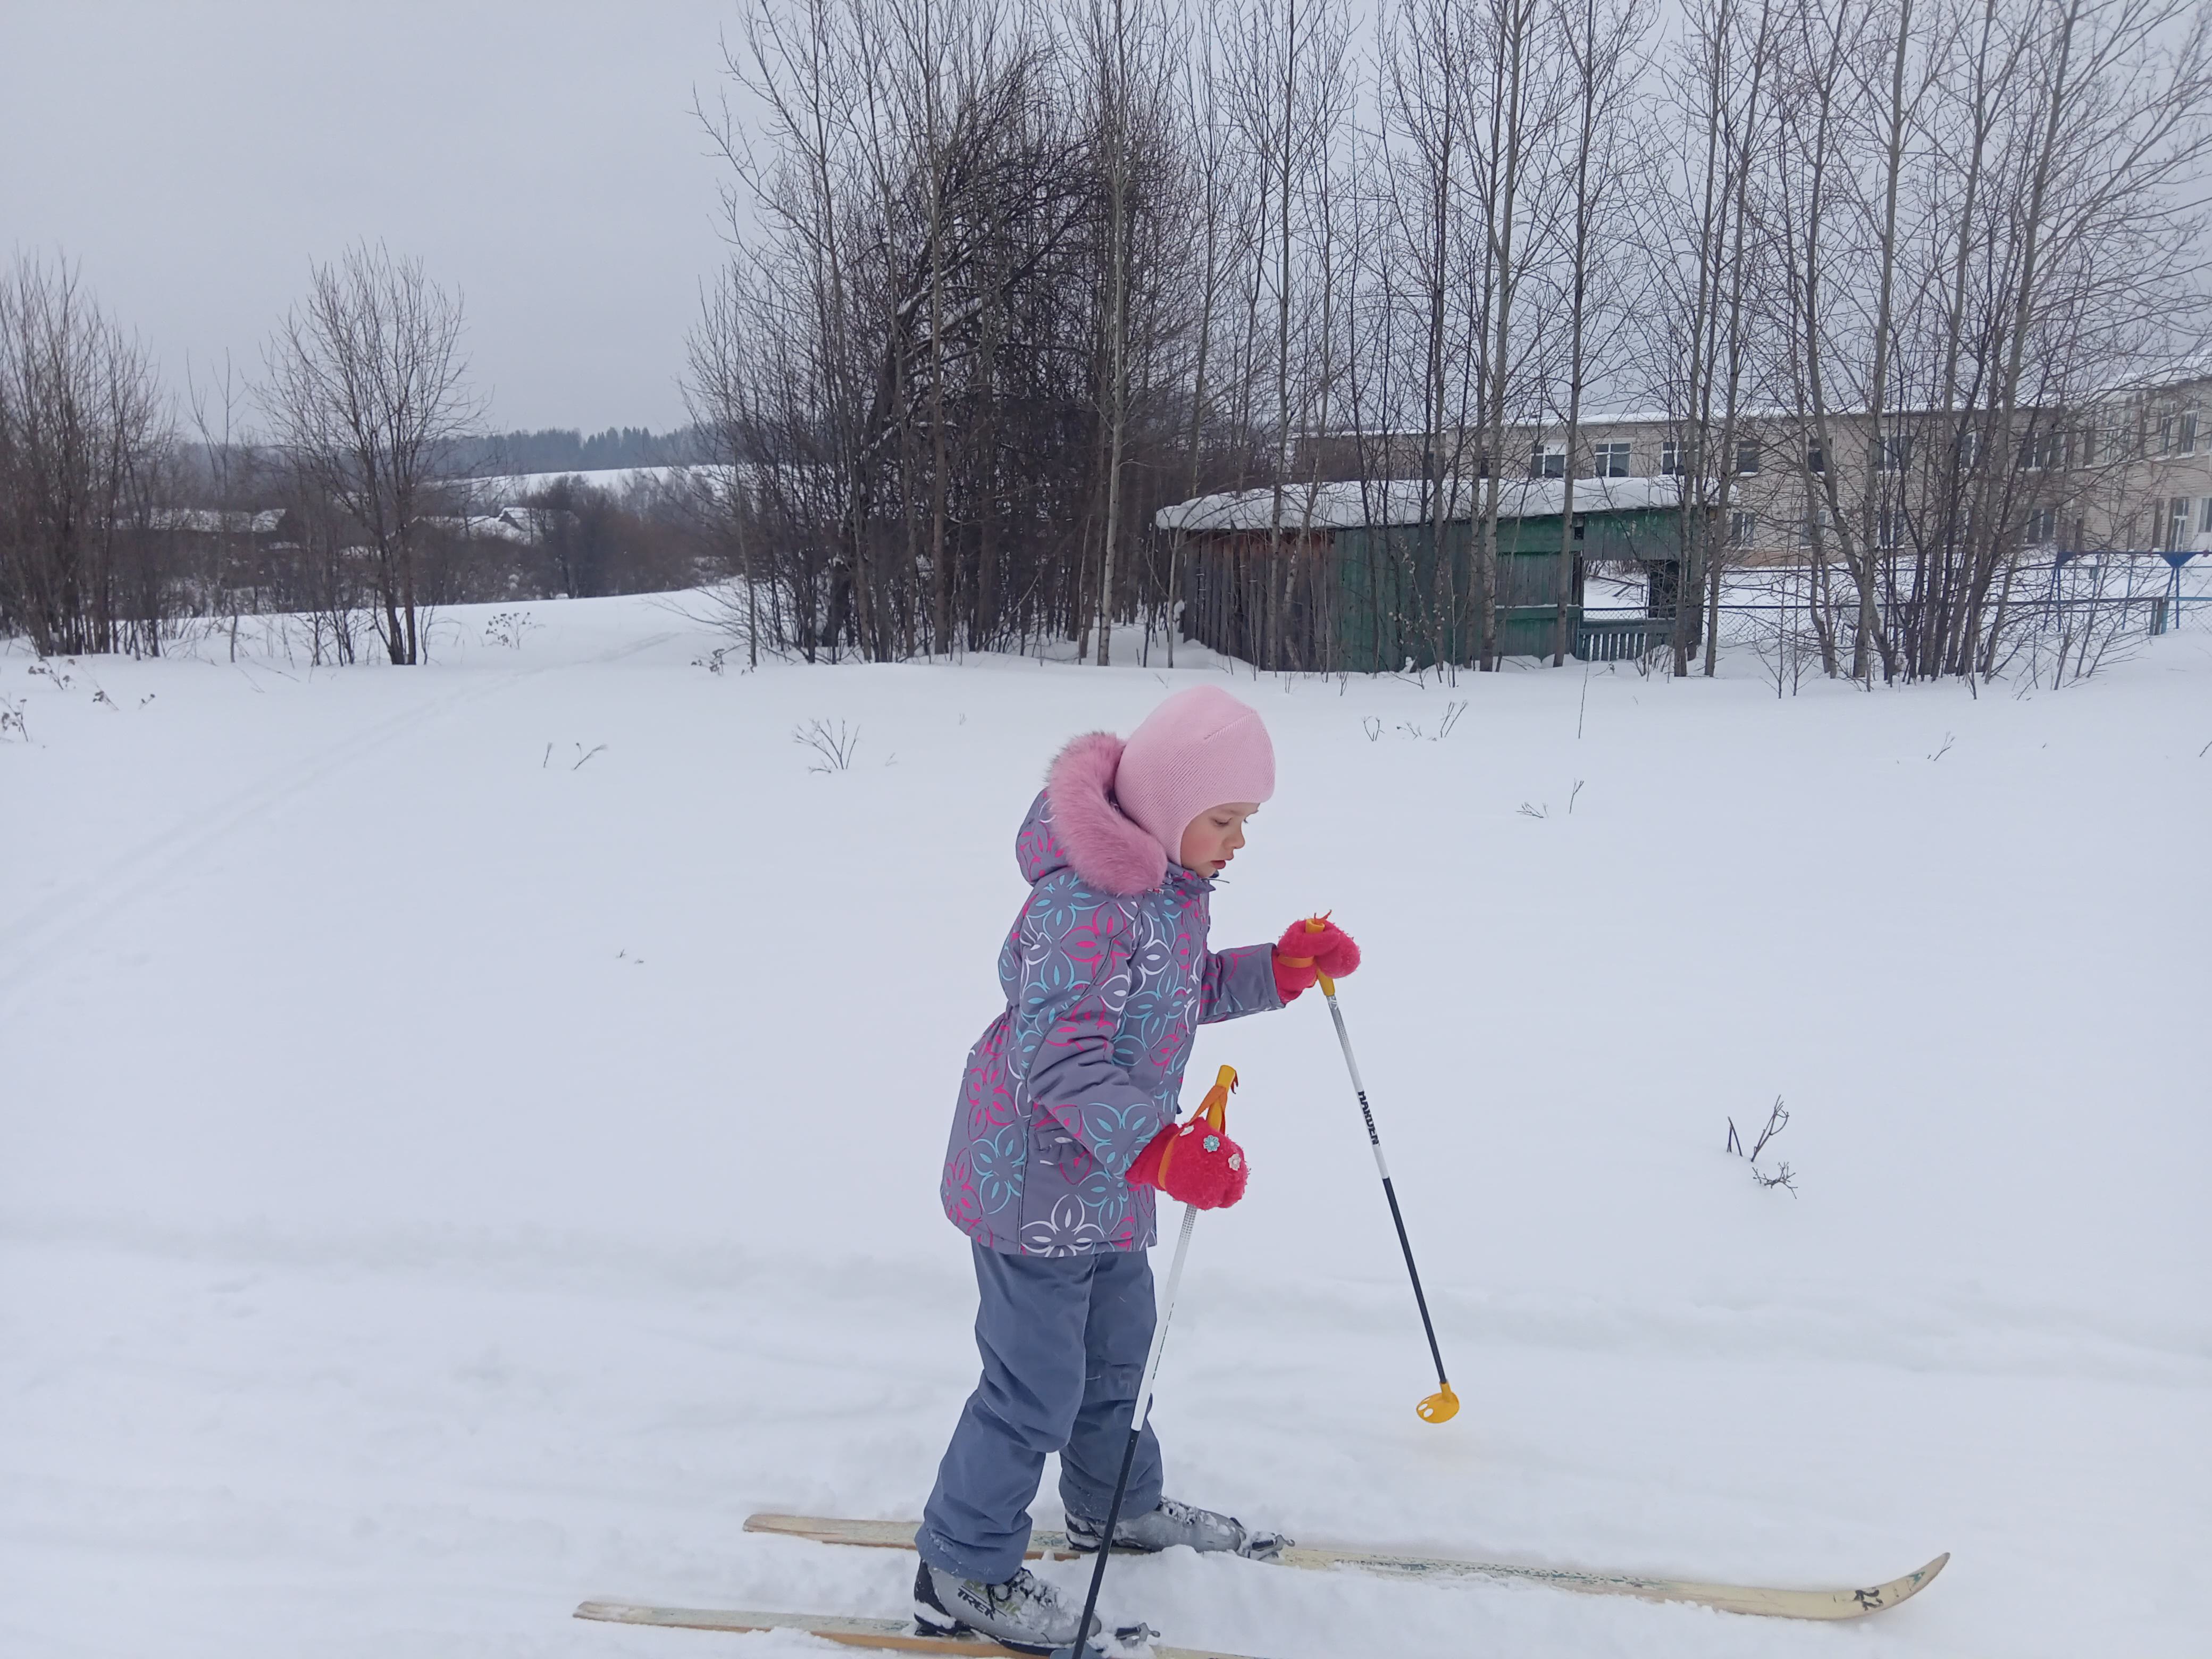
x=565, y=449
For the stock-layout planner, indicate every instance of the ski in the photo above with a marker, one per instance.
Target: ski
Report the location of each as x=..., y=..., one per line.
x=1855, y=1603
x=886, y=1635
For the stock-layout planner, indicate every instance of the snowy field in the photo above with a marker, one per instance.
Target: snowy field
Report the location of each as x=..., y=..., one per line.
x=504, y=490
x=469, y=1136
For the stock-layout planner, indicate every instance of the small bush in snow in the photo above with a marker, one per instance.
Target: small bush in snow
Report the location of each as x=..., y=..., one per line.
x=835, y=744
x=508, y=626
x=1453, y=710
x=1777, y=1120
x=1531, y=810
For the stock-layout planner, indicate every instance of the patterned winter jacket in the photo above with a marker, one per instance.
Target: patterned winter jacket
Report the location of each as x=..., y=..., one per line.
x=1107, y=976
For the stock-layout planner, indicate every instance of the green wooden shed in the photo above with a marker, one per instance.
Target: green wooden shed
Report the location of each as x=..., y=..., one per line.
x=1379, y=576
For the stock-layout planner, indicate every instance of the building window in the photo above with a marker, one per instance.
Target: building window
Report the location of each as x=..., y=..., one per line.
x=1746, y=456
x=1670, y=457
x=1970, y=449
x=2046, y=450
x=2177, y=522
x=1742, y=528
x=1816, y=458
x=2166, y=435
x=1896, y=453
x=2042, y=526
x=1889, y=528
x=1547, y=461
x=2204, y=520
x=2189, y=432
x=1809, y=528
x=1611, y=460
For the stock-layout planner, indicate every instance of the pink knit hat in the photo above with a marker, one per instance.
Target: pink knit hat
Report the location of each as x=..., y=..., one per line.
x=1200, y=748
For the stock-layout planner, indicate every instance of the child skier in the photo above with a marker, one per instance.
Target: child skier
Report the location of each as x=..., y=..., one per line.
x=1106, y=973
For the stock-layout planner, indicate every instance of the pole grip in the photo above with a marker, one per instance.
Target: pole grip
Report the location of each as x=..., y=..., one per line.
x=1314, y=924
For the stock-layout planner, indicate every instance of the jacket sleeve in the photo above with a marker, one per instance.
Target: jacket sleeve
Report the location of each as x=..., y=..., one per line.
x=1238, y=982
x=1073, y=983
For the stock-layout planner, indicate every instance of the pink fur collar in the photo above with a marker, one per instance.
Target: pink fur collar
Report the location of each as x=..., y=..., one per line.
x=1105, y=847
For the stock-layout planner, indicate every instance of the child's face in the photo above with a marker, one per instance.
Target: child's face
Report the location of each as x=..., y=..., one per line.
x=1213, y=837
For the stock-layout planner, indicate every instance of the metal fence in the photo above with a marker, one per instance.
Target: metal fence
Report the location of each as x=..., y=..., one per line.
x=2107, y=598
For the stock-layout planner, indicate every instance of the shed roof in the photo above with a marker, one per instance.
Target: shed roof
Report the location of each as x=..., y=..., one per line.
x=1351, y=504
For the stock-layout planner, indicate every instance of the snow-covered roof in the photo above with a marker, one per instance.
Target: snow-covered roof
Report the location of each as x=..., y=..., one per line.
x=1351, y=504
x=536, y=521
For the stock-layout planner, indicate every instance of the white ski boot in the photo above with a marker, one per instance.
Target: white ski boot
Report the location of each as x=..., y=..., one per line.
x=1174, y=1524
x=1024, y=1613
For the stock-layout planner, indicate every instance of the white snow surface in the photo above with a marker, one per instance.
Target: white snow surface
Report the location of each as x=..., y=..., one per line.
x=504, y=490
x=445, y=1178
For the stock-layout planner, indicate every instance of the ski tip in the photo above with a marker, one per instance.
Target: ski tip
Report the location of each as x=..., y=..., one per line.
x=1913, y=1582
x=1897, y=1590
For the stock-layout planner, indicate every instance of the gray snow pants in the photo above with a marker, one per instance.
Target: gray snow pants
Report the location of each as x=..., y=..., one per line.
x=1063, y=1340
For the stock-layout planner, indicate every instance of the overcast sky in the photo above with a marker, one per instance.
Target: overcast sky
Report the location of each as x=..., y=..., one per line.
x=194, y=156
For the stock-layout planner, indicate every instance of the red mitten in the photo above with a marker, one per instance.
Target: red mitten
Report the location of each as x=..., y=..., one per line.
x=1310, y=949
x=1196, y=1162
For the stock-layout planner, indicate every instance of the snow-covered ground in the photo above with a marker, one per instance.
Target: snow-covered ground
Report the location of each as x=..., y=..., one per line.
x=470, y=1135
x=506, y=488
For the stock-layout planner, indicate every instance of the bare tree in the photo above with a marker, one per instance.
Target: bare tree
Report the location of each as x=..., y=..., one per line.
x=1508, y=125
x=722, y=393
x=1290, y=110
x=230, y=477
x=1703, y=354
x=1219, y=182
x=1598, y=42
x=1424, y=179
x=366, y=390
x=82, y=434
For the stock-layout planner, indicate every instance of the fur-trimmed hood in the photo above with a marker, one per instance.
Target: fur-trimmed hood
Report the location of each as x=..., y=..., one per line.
x=1076, y=823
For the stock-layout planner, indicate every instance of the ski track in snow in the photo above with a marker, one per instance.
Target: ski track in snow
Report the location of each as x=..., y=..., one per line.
x=414, y=1151
x=102, y=893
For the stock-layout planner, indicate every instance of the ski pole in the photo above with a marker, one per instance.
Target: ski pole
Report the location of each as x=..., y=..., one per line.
x=1079, y=1649
x=1443, y=1405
